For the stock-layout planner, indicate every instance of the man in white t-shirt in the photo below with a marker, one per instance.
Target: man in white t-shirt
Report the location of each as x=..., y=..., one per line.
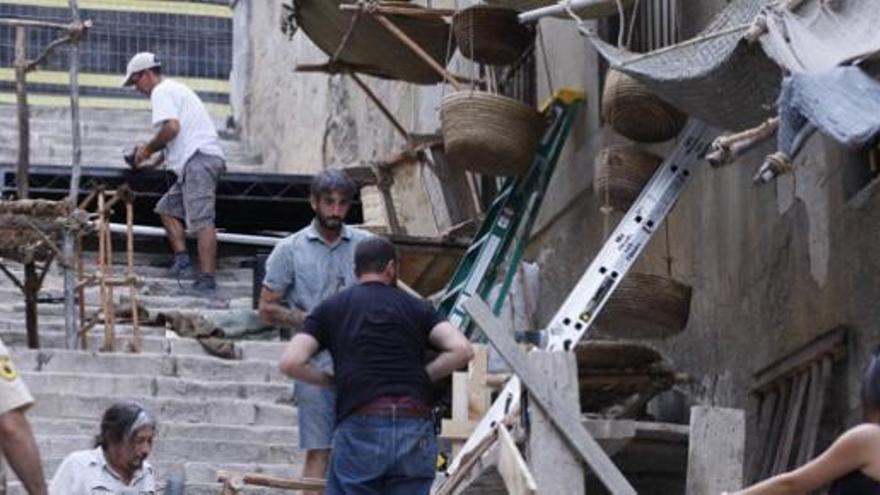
x=186, y=133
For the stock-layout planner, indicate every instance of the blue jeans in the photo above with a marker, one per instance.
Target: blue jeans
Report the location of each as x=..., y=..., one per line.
x=382, y=455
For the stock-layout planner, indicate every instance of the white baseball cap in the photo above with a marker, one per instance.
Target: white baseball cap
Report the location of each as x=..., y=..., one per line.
x=140, y=61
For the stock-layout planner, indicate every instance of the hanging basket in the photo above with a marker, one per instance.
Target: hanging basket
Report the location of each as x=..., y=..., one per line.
x=490, y=34
x=621, y=172
x=370, y=48
x=646, y=306
x=489, y=134
x=636, y=113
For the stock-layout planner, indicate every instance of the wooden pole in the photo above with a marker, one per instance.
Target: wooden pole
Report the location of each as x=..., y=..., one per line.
x=132, y=286
x=412, y=45
x=31, y=288
x=21, y=176
x=382, y=108
x=69, y=241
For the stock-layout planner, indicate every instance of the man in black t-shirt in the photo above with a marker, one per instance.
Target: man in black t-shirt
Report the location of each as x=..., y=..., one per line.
x=378, y=336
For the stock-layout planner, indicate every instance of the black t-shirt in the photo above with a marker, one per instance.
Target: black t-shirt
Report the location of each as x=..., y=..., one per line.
x=377, y=335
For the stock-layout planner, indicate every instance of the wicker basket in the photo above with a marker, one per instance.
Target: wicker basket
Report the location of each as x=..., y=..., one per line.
x=602, y=9
x=490, y=34
x=18, y=221
x=636, y=113
x=371, y=48
x=620, y=173
x=489, y=134
x=646, y=306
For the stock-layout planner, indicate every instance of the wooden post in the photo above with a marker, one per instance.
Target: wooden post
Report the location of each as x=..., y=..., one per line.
x=68, y=247
x=21, y=175
x=110, y=304
x=31, y=288
x=132, y=285
x=518, y=478
x=716, y=450
x=556, y=467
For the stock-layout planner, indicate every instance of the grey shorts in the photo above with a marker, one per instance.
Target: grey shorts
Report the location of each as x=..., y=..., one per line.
x=192, y=198
x=316, y=409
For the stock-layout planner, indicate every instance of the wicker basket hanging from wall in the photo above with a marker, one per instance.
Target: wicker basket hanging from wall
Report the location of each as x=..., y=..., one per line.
x=491, y=34
x=370, y=48
x=646, y=306
x=489, y=134
x=621, y=172
x=633, y=111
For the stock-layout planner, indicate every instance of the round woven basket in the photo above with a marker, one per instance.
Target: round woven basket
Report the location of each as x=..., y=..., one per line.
x=490, y=34
x=636, y=113
x=489, y=134
x=370, y=47
x=621, y=172
x=646, y=306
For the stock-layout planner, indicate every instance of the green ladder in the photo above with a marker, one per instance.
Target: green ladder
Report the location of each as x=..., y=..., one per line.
x=504, y=233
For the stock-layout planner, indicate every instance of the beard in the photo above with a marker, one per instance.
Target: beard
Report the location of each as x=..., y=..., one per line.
x=330, y=223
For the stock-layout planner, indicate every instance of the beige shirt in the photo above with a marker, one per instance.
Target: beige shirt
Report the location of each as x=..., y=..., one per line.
x=86, y=472
x=13, y=392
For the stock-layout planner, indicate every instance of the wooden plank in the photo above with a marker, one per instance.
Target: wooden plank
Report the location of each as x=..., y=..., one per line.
x=457, y=430
x=817, y=401
x=783, y=456
x=772, y=443
x=765, y=420
x=478, y=392
x=832, y=342
x=468, y=463
x=513, y=469
x=568, y=425
x=459, y=404
x=557, y=468
x=259, y=479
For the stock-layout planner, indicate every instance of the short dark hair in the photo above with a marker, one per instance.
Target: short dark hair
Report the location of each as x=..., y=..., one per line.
x=332, y=180
x=373, y=254
x=120, y=421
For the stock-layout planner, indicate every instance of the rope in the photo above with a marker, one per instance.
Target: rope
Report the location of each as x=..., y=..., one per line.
x=347, y=36
x=448, y=54
x=622, y=14
x=632, y=24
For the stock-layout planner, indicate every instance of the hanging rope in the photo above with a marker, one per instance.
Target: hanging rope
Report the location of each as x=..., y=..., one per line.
x=632, y=24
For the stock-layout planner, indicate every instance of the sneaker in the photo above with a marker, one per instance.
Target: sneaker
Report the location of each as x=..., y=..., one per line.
x=203, y=286
x=182, y=266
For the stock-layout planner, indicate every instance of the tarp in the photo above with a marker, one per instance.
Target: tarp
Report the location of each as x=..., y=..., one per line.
x=843, y=103
x=728, y=82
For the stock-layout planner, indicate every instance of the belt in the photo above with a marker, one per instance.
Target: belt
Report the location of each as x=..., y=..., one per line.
x=402, y=407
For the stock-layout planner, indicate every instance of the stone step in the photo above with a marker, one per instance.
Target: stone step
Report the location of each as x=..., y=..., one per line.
x=183, y=366
x=153, y=341
x=153, y=386
x=173, y=450
x=177, y=430
x=199, y=475
x=214, y=411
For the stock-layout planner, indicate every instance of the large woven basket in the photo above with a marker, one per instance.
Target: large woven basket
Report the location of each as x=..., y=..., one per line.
x=490, y=34
x=636, y=113
x=601, y=9
x=370, y=47
x=620, y=173
x=646, y=306
x=489, y=134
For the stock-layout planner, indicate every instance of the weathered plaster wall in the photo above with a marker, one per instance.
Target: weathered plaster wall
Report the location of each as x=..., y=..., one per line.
x=771, y=267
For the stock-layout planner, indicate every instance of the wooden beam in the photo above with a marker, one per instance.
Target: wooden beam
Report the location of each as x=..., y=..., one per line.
x=419, y=51
x=567, y=424
x=512, y=467
x=418, y=12
x=832, y=342
x=258, y=479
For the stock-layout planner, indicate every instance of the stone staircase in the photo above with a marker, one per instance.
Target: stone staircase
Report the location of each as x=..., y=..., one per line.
x=213, y=413
x=106, y=133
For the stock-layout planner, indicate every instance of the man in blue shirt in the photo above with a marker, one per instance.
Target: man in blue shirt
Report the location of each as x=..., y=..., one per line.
x=378, y=335
x=303, y=270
